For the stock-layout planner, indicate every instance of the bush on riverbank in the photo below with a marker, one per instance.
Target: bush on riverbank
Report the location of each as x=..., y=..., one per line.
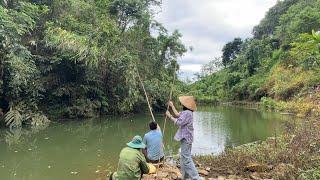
x=289, y=156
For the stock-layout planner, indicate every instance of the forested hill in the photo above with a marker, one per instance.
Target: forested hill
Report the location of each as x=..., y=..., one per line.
x=79, y=58
x=279, y=66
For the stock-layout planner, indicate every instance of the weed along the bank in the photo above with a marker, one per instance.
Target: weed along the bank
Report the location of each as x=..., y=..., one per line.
x=159, y=89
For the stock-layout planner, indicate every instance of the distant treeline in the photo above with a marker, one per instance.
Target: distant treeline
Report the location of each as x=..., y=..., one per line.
x=279, y=66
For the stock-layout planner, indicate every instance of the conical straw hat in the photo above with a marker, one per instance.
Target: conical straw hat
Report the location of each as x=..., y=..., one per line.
x=188, y=102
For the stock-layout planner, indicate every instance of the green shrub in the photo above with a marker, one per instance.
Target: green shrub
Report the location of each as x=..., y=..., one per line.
x=311, y=174
x=268, y=103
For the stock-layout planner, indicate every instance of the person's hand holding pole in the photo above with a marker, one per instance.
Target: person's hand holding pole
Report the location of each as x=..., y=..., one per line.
x=174, y=110
x=168, y=114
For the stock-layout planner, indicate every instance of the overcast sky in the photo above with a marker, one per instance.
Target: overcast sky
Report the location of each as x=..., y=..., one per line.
x=207, y=25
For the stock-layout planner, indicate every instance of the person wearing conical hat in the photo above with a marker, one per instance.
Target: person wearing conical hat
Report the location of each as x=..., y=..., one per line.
x=132, y=163
x=184, y=120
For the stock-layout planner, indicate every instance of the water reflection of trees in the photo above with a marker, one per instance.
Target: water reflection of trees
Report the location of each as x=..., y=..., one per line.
x=13, y=136
x=19, y=136
x=249, y=125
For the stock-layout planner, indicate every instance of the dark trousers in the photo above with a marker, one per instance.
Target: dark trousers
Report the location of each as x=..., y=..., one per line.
x=155, y=161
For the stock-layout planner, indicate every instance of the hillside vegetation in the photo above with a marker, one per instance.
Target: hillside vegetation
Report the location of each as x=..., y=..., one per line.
x=279, y=66
x=79, y=58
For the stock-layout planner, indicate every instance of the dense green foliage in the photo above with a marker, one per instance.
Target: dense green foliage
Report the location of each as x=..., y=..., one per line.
x=281, y=62
x=80, y=58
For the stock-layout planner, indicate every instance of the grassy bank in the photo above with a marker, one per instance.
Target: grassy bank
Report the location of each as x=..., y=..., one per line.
x=295, y=154
x=305, y=104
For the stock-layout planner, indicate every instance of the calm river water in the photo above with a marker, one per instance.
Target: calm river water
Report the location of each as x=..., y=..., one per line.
x=81, y=149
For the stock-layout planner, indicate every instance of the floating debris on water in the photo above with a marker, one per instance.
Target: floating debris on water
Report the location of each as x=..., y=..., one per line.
x=49, y=167
x=15, y=151
x=29, y=149
x=74, y=172
x=46, y=138
x=97, y=171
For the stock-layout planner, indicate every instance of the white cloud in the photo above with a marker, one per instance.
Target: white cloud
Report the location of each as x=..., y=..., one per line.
x=241, y=14
x=207, y=25
x=190, y=68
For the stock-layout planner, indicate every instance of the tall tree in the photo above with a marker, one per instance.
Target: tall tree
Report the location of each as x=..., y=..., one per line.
x=230, y=51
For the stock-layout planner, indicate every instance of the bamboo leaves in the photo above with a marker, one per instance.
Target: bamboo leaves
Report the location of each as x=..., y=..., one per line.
x=19, y=114
x=70, y=43
x=13, y=118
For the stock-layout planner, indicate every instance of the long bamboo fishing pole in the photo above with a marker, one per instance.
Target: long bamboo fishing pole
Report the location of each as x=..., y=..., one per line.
x=146, y=95
x=170, y=98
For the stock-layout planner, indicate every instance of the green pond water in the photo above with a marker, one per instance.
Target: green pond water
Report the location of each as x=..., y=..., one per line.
x=81, y=150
